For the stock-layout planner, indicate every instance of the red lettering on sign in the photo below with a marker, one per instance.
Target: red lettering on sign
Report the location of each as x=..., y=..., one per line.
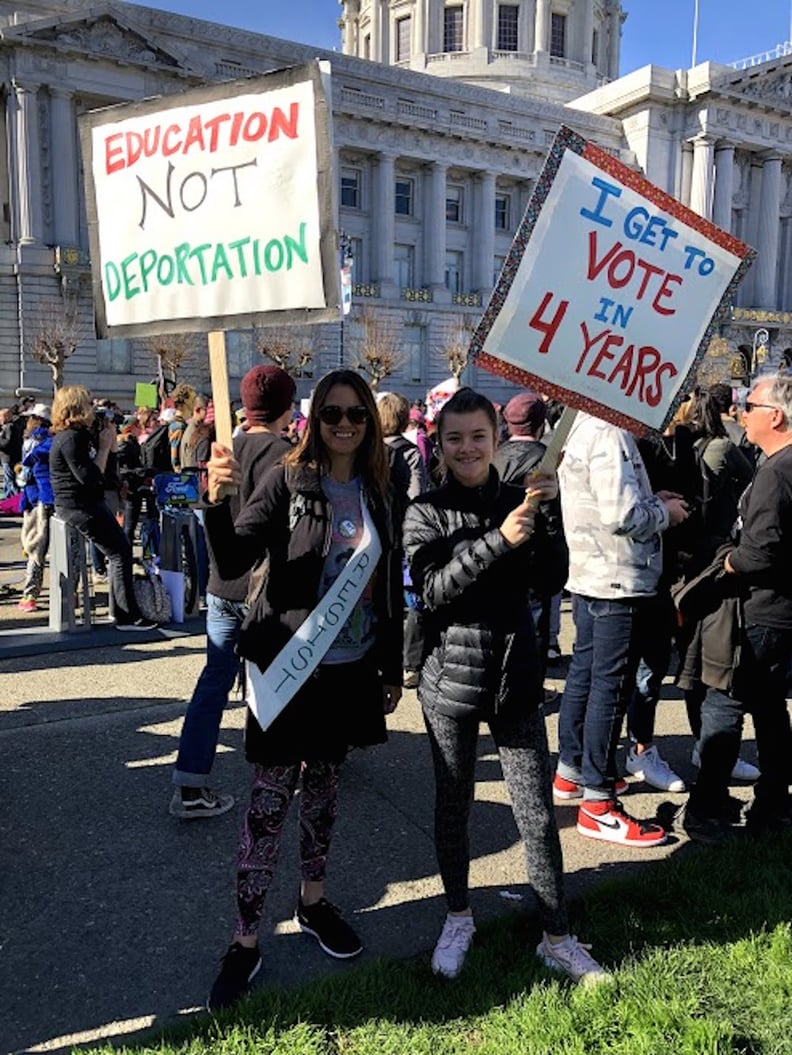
x=549, y=329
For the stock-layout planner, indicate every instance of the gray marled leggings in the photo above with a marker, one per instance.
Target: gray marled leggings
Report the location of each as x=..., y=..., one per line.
x=522, y=744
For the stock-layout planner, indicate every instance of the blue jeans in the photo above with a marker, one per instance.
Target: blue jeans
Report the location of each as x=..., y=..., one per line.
x=760, y=689
x=201, y=729
x=601, y=676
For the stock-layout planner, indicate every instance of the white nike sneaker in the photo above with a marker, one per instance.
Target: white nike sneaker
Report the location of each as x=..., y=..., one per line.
x=652, y=769
x=452, y=946
x=742, y=770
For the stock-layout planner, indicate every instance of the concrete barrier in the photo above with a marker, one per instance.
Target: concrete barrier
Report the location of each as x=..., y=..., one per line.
x=68, y=576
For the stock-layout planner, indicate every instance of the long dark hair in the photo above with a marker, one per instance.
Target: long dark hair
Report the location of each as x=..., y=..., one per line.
x=704, y=417
x=371, y=460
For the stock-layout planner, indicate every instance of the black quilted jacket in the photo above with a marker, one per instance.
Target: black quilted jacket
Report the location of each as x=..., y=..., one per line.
x=481, y=652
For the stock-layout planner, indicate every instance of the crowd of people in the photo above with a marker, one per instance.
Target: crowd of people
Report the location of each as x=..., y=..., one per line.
x=371, y=545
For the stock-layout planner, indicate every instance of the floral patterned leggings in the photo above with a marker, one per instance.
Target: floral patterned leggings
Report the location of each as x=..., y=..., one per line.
x=270, y=798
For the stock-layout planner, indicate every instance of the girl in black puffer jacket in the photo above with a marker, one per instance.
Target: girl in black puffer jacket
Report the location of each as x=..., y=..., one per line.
x=474, y=553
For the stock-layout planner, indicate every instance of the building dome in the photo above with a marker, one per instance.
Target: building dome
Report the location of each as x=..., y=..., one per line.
x=556, y=49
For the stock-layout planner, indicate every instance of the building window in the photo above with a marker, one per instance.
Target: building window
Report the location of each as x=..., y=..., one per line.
x=454, y=205
x=113, y=356
x=404, y=266
x=367, y=46
x=507, y=27
x=404, y=197
x=239, y=352
x=594, y=48
x=498, y=264
x=502, y=218
x=453, y=271
x=403, y=33
x=452, y=28
x=558, y=35
x=414, y=344
x=350, y=188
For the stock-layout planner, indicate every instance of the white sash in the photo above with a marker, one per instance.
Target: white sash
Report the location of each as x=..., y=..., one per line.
x=268, y=693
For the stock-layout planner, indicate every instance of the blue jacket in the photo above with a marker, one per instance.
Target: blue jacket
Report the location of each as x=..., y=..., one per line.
x=37, y=460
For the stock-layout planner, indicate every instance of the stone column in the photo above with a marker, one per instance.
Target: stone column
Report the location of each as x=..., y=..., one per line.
x=435, y=231
x=542, y=26
x=767, y=241
x=484, y=234
x=588, y=31
x=376, y=31
x=384, y=222
x=614, y=39
x=724, y=186
x=419, y=28
x=701, y=187
x=64, y=153
x=479, y=38
x=30, y=207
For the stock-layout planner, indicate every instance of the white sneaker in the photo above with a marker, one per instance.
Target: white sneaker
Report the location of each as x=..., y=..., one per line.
x=452, y=946
x=742, y=770
x=574, y=959
x=653, y=770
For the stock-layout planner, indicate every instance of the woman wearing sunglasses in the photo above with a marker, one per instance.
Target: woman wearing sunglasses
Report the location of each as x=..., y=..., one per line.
x=325, y=511
x=474, y=547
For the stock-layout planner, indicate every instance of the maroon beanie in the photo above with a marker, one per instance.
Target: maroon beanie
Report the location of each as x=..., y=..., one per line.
x=525, y=414
x=266, y=393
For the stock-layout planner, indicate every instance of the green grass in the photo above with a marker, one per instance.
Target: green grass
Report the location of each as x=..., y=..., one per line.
x=700, y=945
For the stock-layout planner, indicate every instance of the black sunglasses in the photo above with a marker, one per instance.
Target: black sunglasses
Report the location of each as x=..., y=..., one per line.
x=330, y=414
x=749, y=406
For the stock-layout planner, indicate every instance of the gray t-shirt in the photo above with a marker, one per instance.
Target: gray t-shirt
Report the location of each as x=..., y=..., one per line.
x=356, y=635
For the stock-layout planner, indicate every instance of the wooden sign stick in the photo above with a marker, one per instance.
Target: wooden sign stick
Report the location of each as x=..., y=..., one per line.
x=221, y=395
x=552, y=456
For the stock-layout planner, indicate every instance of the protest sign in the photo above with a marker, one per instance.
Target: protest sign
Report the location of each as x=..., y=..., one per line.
x=611, y=291
x=214, y=208
x=146, y=395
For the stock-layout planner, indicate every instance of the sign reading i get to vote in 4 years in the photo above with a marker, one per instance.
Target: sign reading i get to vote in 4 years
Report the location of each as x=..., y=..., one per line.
x=611, y=290
x=214, y=207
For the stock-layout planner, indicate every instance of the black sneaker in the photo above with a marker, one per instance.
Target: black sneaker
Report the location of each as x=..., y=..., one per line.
x=240, y=967
x=138, y=624
x=709, y=831
x=199, y=802
x=324, y=922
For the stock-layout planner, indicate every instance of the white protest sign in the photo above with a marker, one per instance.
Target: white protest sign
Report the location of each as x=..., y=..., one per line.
x=611, y=291
x=214, y=207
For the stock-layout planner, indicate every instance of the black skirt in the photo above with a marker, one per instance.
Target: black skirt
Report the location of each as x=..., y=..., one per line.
x=339, y=707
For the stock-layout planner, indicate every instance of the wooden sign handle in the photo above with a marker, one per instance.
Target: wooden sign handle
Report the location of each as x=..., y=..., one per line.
x=221, y=395
x=552, y=456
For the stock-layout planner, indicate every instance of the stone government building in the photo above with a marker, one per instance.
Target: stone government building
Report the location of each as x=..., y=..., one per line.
x=443, y=110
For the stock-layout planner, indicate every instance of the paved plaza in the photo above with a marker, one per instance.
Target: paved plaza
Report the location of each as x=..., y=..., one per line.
x=115, y=914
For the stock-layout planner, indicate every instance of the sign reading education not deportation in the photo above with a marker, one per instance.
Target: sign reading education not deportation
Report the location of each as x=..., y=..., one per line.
x=214, y=207
x=611, y=291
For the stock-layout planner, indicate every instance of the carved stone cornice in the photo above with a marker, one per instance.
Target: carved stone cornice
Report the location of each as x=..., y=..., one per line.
x=99, y=34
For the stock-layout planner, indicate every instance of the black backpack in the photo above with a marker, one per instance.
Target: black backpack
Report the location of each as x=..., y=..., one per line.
x=155, y=453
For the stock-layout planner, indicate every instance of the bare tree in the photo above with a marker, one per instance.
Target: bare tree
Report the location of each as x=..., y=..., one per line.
x=293, y=349
x=54, y=339
x=455, y=348
x=375, y=349
x=172, y=351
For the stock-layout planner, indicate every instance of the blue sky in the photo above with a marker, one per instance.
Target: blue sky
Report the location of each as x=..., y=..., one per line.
x=657, y=31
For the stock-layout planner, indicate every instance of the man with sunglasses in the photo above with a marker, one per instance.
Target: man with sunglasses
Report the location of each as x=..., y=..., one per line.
x=761, y=562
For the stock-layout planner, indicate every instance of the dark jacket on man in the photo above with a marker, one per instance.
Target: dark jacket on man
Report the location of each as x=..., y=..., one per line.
x=763, y=557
